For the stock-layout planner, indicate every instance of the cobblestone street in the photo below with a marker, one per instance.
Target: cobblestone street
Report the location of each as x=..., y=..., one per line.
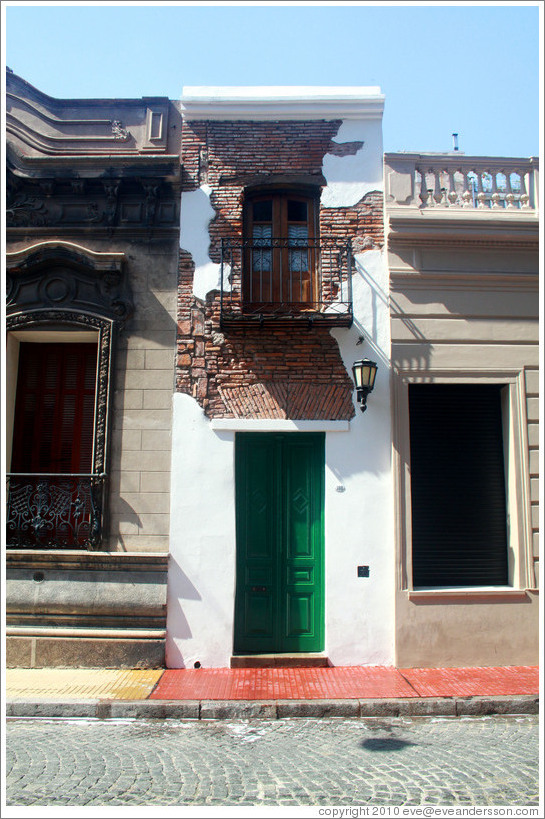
x=378, y=762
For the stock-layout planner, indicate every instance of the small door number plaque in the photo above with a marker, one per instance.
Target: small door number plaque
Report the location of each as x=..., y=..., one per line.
x=363, y=571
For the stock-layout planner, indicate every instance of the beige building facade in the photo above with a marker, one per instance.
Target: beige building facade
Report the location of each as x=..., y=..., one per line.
x=462, y=235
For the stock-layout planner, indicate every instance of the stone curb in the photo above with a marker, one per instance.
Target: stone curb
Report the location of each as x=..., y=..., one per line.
x=271, y=709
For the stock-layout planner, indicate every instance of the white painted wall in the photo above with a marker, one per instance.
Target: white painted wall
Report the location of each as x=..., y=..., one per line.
x=358, y=531
x=201, y=575
x=350, y=177
x=196, y=213
x=359, y=520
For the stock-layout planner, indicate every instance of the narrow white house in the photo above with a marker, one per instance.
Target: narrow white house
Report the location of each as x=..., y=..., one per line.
x=282, y=528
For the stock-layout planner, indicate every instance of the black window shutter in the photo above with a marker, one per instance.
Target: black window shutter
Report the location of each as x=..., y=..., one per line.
x=459, y=535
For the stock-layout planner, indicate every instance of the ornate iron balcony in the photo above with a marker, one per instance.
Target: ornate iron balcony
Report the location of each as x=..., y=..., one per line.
x=54, y=511
x=286, y=280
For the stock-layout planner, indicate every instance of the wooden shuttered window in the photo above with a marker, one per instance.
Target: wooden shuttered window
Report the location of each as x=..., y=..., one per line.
x=459, y=533
x=55, y=408
x=281, y=230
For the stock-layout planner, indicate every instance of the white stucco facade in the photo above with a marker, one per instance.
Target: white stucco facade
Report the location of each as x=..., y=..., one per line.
x=359, y=611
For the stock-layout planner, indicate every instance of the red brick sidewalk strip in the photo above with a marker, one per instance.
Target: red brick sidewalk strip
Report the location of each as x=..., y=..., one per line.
x=367, y=682
x=282, y=684
x=351, y=682
x=473, y=682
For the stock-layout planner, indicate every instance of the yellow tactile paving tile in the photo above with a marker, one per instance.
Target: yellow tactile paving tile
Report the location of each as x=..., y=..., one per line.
x=81, y=683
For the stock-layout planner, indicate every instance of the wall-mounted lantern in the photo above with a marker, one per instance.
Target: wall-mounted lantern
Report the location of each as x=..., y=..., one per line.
x=365, y=372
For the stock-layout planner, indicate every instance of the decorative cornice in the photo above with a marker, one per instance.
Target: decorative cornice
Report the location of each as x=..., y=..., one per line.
x=100, y=260
x=128, y=202
x=478, y=228
x=45, y=127
x=92, y=164
x=454, y=280
x=281, y=103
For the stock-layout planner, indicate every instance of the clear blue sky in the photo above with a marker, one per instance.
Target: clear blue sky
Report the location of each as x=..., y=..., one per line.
x=473, y=69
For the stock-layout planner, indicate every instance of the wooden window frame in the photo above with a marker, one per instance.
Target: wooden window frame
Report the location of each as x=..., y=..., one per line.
x=280, y=290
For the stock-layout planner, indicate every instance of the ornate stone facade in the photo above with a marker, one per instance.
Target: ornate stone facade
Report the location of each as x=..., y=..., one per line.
x=92, y=229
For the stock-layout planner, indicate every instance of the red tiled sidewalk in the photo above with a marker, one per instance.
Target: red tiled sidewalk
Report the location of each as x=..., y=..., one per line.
x=473, y=682
x=351, y=682
x=281, y=683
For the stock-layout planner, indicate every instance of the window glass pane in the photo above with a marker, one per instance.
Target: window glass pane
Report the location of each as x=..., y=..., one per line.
x=261, y=255
x=298, y=237
x=297, y=211
x=262, y=211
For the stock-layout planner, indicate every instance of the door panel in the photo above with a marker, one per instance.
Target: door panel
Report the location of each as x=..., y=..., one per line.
x=280, y=487
x=256, y=530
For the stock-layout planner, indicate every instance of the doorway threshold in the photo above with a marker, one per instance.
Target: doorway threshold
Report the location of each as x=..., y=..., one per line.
x=280, y=661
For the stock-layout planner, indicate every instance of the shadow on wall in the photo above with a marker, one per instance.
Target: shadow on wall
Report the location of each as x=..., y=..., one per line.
x=125, y=513
x=378, y=294
x=180, y=588
x=420, y=360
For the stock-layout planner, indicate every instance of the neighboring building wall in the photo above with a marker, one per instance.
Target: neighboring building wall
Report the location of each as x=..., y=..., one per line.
x=96, y=183
x=142, y=407
x=141, y=391
x=278, y=378
x=464, y=307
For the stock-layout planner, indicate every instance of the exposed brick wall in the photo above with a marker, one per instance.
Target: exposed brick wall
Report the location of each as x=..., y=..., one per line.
x=257, y=373
x=228, y=156
x=252, y=372
x=223, y=152
x=362, y=222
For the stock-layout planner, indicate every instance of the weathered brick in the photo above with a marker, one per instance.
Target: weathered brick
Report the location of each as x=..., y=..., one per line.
x=260, y=373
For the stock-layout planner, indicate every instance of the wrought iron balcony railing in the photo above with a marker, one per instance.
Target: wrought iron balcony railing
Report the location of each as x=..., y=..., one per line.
x=54, y=511
x=286, y=280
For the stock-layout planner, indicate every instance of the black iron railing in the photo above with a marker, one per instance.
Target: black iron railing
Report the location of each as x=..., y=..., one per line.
x=52, y=511
x=286, y=279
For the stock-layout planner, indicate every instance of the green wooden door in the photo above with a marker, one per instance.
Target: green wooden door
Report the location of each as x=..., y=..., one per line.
x=280, y=542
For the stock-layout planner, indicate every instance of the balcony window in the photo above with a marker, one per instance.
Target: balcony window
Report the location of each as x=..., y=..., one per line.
x=65, y=307
x=280, y=254
x=55, y=408
x=54, y=498
x=281, y=270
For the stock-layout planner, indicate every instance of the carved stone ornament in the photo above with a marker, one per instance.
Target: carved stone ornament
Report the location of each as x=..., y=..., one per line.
x=151, y=190
x=63, y=276
x=118, y=131
x=26, y=211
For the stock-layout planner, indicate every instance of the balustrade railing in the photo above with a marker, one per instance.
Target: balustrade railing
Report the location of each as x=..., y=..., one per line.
x=54, y=511
x=285, y=278
x=462, y=182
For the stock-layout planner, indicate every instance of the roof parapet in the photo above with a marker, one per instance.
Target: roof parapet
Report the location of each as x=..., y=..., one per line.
x=281, y=102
